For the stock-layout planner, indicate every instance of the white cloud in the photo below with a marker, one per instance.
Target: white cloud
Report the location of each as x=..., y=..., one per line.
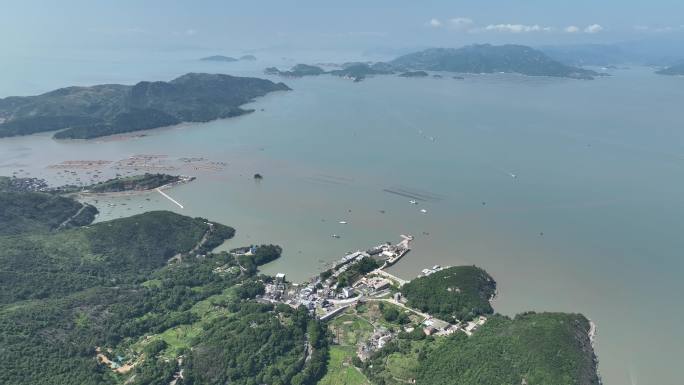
x=572, y=29
x=435, y=23
x=594, y=28
x=516, y=28
x=461, y=23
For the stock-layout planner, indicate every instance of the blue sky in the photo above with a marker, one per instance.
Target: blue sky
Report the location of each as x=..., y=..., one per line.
x=30, y=25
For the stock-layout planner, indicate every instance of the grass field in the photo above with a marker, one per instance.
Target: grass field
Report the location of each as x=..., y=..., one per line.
x=350, y=330
x=340, y=370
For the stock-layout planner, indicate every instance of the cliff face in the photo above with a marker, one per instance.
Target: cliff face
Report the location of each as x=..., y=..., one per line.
x=88, y=112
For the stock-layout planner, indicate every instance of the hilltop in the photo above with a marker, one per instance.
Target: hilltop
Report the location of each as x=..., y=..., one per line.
x=461, y=293
x=90, y=112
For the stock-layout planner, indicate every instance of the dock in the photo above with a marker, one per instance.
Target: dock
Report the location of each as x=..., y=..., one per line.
x=394, y=253
x=392, y=277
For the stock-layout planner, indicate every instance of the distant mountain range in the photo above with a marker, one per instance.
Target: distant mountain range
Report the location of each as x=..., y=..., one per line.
x=677, y=69
x=602, y=55
x=485, y=58
x=648, y=52
x=89, y=112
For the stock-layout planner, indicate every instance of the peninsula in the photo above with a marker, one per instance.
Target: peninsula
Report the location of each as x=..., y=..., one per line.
x=91, y=112
x=145, y=300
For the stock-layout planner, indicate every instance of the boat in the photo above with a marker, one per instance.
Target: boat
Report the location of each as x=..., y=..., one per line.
x=342, y=222
x=413, y=202
x=423, y=211
x=335, y=236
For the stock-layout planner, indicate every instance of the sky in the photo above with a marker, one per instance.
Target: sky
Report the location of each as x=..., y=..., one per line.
x=28, y=26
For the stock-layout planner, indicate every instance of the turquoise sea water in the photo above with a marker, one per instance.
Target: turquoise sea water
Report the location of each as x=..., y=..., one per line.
x=590, y=223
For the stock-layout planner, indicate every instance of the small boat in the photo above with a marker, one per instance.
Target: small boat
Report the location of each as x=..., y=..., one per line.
x=335, y=236
x=423, y=211
x=342, y=222
x=413, y=202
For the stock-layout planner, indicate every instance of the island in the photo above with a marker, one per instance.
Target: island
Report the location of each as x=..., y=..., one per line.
x=675, y=70
x=219, y=58
x=91, y=112
x=414, y=74
x=147, y=299
x=485, y=58
x=137, y=183
x=473, y=59
x=359, y=71
x=297, y=71
x=248, y=58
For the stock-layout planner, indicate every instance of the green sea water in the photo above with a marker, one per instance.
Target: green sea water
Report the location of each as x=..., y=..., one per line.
x=568, y=192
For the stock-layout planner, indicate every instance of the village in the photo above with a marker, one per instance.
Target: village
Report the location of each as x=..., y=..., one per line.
x=357, y=288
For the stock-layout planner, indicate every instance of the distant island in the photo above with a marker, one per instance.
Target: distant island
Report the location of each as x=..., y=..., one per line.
x=675, y=70
x=228, y=59
x=91, y=112
x=219, y=58
x=487, y=58
x=415, y=74
x=474, y=59
x=297, y=71
x=355, y=71
x=359, y=71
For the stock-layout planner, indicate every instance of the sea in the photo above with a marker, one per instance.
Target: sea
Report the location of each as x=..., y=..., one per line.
x=569, y=193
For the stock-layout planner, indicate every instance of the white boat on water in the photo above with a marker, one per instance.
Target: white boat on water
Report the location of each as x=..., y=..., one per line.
x=342, y=222
x=413, y=202
x=423, y=211
x=335, y=236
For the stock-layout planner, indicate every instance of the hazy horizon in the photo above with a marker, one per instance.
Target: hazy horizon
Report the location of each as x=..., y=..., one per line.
x=78, y=26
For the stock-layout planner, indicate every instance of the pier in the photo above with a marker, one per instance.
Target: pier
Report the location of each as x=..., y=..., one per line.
x=169, y=198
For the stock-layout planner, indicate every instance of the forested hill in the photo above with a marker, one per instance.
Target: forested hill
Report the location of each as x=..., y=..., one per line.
x=455, y=293
x=532, y=348
x=487, y=58
x=136, y=300
x=42, y=265
x=40, y=212
x=89, y=112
